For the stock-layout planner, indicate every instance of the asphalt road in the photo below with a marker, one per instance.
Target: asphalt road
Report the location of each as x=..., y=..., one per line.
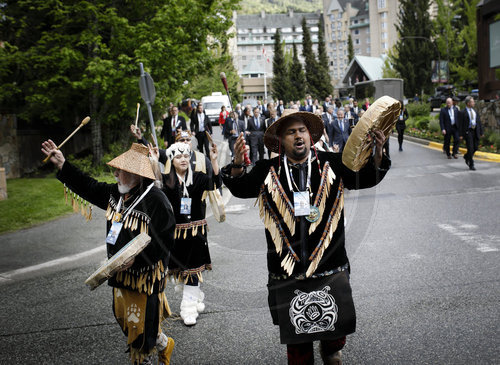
x=424, y=250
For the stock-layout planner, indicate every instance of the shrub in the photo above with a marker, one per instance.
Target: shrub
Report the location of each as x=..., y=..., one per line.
x=422, y=123
x=418, y=109
x=434, y=126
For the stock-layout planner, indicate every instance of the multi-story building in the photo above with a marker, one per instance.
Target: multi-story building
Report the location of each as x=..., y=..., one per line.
x=338, y=15
x=383, y=20
x=255, y=46
x=371, y=24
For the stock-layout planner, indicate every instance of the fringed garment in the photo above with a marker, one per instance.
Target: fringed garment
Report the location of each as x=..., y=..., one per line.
x=190, y=255
x=139, y=317
x=323, y=248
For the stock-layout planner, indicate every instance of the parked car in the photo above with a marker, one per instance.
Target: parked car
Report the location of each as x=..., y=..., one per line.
x=441, y=94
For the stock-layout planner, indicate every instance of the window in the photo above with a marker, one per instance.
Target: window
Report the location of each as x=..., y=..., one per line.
x=331, y=63
x=381, y=4
x=259, y=57
x=314, y=29
x=243, y=39
x=243, y=58
x=368, y=50
x=356, y=41
x=335, y=48
x=384, y=45
x=356, y=31
x=383, y=15
x=355, y=22
x=367, y=40
x=357, y=51
x=243, y=48
x=383, y=25
x=383, y=35
x=332, y=17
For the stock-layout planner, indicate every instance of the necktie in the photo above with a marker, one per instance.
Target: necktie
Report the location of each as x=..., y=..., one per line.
x=257, y=125
x=341, y=125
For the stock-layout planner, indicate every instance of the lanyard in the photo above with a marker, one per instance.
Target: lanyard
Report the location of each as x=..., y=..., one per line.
x=185, y=193
x=137, y=201
x=289, y=173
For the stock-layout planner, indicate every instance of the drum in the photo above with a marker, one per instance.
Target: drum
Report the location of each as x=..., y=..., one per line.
x=118, y=261
x=381, y=115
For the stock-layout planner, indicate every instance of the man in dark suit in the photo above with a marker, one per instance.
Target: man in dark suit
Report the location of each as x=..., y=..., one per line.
x=448, y=120
x=171, y=125
x=256, y=129
x=199, y=124
x=243, y=125
x=231, y=130
x=328, y=120
x=471, y=130
x=272, y=118
x=280, y=108
x=340, y=131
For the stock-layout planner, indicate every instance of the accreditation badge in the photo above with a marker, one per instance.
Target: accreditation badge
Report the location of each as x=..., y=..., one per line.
x=301, y=203
x=185, y=205
x=113, y=233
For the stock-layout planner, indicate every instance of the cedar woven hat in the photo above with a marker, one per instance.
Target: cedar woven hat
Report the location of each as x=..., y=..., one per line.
x=135, y=161
x=313, y=123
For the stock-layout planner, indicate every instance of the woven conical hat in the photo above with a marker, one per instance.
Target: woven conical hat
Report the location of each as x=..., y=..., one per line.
x=313, y=123
x=135, y=161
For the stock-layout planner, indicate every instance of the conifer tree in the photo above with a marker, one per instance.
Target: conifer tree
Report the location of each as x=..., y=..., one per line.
x=297, y=77
x=325, y=83
x=414, y=49
x=280, y=75
x=311, y=65
x=350, y=49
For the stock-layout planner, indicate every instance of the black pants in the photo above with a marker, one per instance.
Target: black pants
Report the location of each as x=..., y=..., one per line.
x=447, y=139
x=302, y=353
x=401, y=132
x=202, y=139
x=257, y=146
x=232, y=140
x=472, y=143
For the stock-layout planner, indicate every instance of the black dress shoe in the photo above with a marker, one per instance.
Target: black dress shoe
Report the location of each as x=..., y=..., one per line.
x=400, y=149
x=449, y=157
x=466, y=160
x=471, y=167
x=455, y=157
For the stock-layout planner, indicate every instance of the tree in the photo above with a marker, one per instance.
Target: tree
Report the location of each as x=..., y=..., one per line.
x=297, y=78
x=281, y=86
x=311, y=65
x=350, y=48
x=414, y=49
x=388, y=71
x=62, y=61
x=466, y=65
x=325, y=83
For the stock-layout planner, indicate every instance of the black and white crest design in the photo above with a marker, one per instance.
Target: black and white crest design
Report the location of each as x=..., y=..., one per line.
x=313, y=312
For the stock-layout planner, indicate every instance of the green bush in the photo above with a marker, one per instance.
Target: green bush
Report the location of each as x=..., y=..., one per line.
x=434, y=126
x=422, y=123
x=418, y=109
x=410, y=122
x=494, y=139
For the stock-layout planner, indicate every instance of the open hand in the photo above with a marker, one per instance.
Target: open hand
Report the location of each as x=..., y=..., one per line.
x=49, y=148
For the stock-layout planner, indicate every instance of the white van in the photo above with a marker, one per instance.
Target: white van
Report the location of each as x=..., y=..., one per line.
x=213, y=103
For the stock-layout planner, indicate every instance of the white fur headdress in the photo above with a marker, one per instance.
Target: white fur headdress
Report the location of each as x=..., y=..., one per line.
x=178, y=149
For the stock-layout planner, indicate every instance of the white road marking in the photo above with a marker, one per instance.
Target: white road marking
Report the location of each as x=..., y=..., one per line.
x=10, y=275
x=463, y=231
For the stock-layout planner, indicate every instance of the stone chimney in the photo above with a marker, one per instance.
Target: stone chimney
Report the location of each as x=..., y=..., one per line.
x=290, y=13
x=263, y=14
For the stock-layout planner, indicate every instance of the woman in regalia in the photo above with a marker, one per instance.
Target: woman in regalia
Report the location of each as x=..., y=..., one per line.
x=186, y=189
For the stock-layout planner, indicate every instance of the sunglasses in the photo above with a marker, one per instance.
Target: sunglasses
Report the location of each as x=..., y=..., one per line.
x=184, y=140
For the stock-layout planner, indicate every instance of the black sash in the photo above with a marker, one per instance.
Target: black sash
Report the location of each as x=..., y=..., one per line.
x=312, y=309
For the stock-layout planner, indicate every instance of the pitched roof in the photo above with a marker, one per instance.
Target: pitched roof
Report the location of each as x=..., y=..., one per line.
x=244, y=21
x=371, y=66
